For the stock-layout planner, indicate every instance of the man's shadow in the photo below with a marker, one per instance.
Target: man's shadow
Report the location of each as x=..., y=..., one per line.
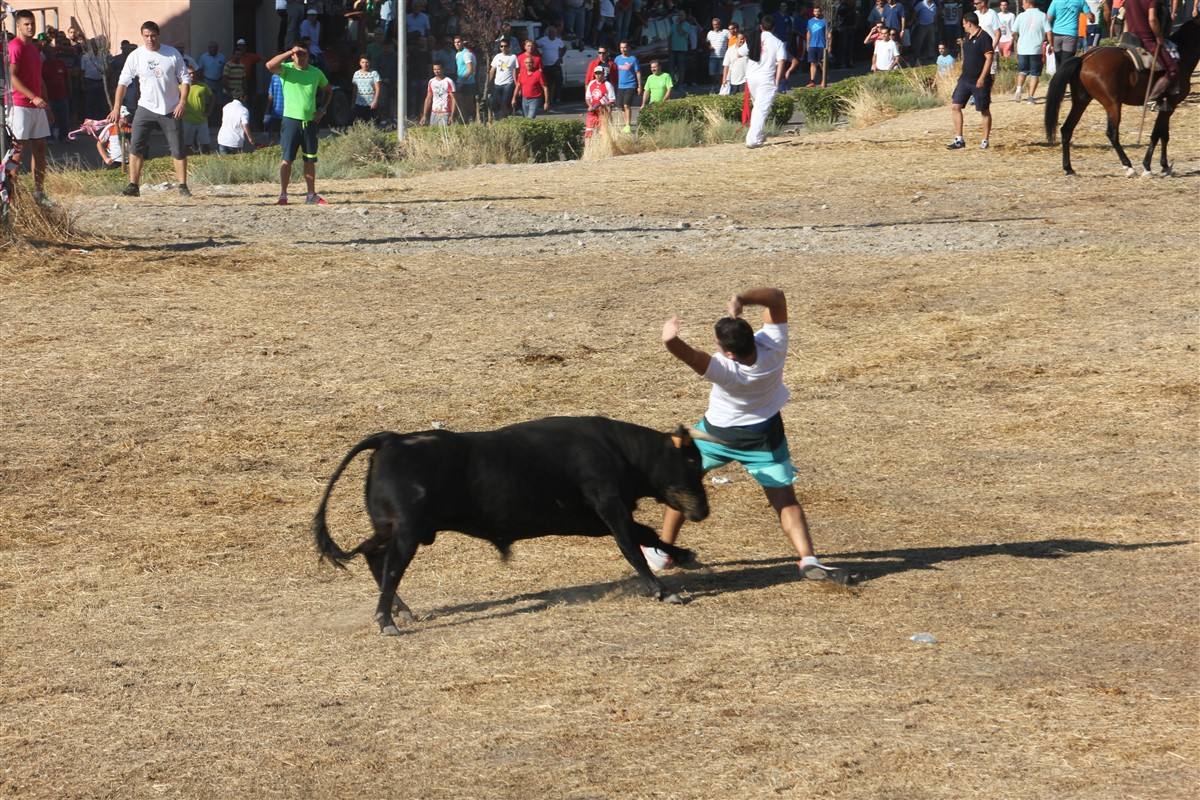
x=724, y=577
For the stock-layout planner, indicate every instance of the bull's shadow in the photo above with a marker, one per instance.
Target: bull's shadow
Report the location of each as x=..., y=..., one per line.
x=723, y=577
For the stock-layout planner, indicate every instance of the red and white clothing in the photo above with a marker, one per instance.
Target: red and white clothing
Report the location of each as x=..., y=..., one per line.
x=110, y=137
x=599, y=95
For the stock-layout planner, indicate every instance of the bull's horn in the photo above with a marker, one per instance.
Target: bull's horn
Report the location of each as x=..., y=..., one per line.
x=705, y=436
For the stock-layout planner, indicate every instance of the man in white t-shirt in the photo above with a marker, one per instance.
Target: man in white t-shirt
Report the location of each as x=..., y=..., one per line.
x=502, y=78
x=989, y=21
x=164, y=82
x=763, y=76
x=552, y=47
x=734, y=63
x=234, y=134
x=718, y=43
x=1006, y=19
x=439, y=99
x=886, y=55
x=744, y=406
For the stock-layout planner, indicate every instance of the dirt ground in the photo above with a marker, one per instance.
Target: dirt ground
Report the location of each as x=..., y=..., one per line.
x=994, y=411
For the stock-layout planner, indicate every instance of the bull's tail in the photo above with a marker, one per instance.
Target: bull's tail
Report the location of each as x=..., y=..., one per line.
x=1067, y=72
x=326, y=546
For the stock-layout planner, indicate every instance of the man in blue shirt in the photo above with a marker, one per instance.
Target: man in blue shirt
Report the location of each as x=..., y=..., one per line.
x=952, y=30
x=895, y=18
x=629, y=83
x=814, y=44
x=465, y=86
x=1064, y=27
x=924, y=33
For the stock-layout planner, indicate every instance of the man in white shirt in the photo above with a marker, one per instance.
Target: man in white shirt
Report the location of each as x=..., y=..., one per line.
x=734, y=63
x=552, y=48
x=744, y=406
x=1006, y=19
x=1032, y=30
x=989, y=21
x=886, y=55
x=502, y=77
x=718, y=43
x=234, y=134
x=164, y=82
x=763, y=76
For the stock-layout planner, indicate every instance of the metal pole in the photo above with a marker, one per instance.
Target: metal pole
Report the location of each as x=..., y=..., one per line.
x=401, y=68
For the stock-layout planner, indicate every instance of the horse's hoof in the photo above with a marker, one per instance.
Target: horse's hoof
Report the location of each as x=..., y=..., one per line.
x=1168, y=172
x=1130, y=172
x=1147, y=173
x=389, y=630
x=1070, y=173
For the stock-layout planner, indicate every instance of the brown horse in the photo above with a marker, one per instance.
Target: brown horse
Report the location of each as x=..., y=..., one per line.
x=1108, y=75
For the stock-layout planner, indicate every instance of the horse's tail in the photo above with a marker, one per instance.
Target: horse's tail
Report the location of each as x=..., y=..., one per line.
x=1067, y=72
x=326, y=546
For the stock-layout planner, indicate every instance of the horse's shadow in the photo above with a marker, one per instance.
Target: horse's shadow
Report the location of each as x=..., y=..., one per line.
x=724, y=577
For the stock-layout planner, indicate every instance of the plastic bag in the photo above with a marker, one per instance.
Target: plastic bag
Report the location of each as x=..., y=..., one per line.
x=1051, y=64
x=725, y=88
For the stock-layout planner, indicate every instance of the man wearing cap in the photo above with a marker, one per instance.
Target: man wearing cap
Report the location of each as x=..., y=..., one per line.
x=599, y=97
x=30, y=119
x=311, y=28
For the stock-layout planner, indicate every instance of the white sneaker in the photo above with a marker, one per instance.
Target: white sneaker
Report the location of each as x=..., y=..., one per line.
x=657, y=559
x=1017, y=96
x=983, y=145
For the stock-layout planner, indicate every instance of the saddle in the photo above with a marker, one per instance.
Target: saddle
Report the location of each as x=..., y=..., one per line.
x=1142, y=58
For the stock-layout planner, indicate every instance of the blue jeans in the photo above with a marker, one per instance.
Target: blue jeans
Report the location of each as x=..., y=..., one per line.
x=573, y=22
x=531, y=106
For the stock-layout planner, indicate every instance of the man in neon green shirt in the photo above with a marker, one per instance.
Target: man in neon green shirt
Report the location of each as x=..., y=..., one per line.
x=658, y=85
x=302, y=82
x=196, y=109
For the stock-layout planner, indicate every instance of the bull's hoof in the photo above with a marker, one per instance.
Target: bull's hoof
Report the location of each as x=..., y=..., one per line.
x=389, y=630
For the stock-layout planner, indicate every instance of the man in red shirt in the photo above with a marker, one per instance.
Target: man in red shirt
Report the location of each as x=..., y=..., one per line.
x=535, y=95
x=54, y=80
x=1143, y=20
x=29, y=120
x=530, y=52
x=605, y=62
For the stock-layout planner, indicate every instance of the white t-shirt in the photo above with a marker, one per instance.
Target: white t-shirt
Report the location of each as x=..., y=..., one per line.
x=1006, y=25
x=743, y=395
x=736, y=59
x=233, y=117
x=159, y=73
x=886, y=54
x=110, y=137
x=551, y=50
x=773, y=53
x=442, y=89
x=718, y=41
x=506, y=69
x=990, y=22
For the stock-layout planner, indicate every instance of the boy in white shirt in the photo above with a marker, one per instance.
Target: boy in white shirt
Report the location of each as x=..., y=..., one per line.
x=234, y=134
x=439, y=99
x=744, y=407
x=108, y=143
x=887, y=54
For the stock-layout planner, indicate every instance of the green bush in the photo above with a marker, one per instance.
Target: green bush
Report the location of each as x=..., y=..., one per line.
x=691, y=109
x=549, y=139
x=825, y=105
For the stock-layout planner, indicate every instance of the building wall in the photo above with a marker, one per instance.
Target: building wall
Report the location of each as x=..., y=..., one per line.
x=185, y=24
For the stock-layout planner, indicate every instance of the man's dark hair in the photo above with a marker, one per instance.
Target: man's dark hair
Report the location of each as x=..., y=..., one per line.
x=767, y=22
x=24, y=14
x=972, y=18
x=151, y=26
x=735, y=335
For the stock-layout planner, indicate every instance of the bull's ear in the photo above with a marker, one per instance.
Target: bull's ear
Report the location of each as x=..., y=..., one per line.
x=681, y=437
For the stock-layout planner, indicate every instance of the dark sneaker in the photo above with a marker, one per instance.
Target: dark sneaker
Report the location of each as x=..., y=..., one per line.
x=821, y=572
x=957, y=144
x=131, y=191
x=184, y=191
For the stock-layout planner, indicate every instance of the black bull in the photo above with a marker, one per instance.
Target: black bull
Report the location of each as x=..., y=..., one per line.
x=560, y=475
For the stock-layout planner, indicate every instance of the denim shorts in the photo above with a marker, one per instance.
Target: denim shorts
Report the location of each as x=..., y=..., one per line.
x=1030, y=65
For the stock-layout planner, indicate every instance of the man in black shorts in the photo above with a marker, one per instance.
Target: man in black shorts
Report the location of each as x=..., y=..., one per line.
x=629, y=83
x=976, y=81
x=302, y=113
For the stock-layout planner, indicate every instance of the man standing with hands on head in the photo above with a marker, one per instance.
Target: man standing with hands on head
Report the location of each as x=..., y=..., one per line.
x=30, y=118
x=302, y=82
x=975, y=81
x=744, y=412
x=163, y=84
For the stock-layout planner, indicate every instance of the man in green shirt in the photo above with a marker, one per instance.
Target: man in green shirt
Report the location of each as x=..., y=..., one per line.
x=196, y=108
x=658, y=85
x=302, y=82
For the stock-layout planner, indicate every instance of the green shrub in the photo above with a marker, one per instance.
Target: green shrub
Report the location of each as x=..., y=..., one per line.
x=549, y=139
x=673, y=133
x=691, y=109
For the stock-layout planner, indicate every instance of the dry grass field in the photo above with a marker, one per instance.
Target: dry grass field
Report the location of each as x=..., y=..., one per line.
x=995, y=396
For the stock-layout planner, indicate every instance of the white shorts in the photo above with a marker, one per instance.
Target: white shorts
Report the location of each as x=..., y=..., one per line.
x=196, y=134
x=29, y=123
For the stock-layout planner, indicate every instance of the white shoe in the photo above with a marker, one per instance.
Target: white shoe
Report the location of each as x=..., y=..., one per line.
x=1017, y=96
x=983, y=145
x=657, y=559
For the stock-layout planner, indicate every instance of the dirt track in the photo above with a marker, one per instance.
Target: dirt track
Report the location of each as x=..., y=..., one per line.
x=994, y=411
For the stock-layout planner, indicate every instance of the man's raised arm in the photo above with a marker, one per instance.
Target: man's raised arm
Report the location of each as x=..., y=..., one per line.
x=772, y=300
x=677, y=347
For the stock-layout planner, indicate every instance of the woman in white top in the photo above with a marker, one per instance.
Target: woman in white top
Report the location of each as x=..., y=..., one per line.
x=366, y=90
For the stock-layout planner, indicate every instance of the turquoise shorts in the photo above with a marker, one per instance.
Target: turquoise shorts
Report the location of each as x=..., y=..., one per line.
x=771, y=468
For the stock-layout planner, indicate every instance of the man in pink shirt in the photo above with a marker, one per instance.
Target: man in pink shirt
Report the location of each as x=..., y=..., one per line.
x=30, y=120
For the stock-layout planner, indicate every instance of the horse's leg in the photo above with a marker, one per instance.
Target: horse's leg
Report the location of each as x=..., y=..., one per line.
x=1113, y=108
x=1165, y=119
x=1079, y=102
x=1155, y=136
